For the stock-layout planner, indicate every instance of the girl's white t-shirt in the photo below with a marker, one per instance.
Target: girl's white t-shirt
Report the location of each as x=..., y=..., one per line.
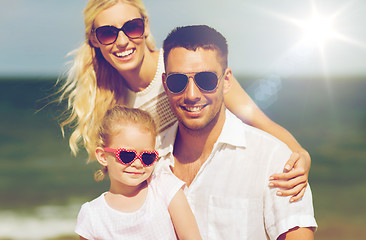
x=97, y=220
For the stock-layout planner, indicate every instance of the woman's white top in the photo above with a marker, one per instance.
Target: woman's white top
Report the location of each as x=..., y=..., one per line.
x=154, y=100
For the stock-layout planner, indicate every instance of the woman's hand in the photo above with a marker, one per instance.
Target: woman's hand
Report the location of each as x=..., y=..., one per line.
x=294, y=179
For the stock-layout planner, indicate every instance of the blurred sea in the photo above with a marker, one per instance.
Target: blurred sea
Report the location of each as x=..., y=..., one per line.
x=42, y=186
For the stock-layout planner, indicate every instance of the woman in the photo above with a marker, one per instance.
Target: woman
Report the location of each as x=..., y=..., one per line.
x=118, y=64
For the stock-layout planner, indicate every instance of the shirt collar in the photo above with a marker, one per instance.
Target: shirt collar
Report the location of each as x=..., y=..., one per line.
x=233, y=131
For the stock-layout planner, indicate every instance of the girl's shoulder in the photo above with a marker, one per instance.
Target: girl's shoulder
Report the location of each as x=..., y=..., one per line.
x=95, y=202
x=165, y=185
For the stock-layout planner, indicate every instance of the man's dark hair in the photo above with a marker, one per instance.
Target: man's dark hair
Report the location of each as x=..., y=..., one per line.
x=197, y=36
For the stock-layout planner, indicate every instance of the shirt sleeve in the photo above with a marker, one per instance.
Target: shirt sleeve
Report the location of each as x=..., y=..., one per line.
x=280, y=214
x=168, y=185
x=84, y=226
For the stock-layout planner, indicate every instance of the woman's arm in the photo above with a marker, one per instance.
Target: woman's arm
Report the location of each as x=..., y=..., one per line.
x=182, y=217
x=295, y=177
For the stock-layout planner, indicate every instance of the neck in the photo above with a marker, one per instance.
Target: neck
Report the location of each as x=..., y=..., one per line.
x=140, y=78
x=193, y=147
x=127, y=199
x=127, y=191
x=196, y=145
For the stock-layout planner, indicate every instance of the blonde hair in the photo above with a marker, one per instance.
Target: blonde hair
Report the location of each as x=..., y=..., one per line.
x=93, y=86
x=113, y=122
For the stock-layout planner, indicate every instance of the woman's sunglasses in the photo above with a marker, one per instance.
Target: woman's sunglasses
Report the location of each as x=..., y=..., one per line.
x=108, y=34
x=206, y=81
x=129, y=156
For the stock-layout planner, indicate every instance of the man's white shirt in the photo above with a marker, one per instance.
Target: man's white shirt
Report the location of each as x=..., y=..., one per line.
x=230, y=197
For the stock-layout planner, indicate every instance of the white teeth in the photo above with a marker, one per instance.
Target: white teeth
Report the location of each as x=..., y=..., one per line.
x=193, y=109
x=125, y=53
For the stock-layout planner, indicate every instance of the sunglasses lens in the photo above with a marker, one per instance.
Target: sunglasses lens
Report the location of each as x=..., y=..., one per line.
x=176, y=82
x=148, y=158
x=106, y=34
x=207, y=81
x=134, y=28
x=127, y=157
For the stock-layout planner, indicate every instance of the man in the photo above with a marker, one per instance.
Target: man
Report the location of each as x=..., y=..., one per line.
x=225, y=163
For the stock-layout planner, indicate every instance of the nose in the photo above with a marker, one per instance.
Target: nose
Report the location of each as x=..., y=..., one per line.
x=192, y=92
x=137, y=163
x=122, y=39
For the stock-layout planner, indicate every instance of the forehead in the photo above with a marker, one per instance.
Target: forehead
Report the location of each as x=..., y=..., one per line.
x=181, y=60
x=133, y=137
x=117, y=15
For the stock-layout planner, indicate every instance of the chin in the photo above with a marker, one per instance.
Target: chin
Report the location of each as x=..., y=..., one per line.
x=194, y=126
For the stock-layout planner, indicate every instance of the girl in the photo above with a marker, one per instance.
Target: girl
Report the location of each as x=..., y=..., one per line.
x=139, y=203
x=118, y=64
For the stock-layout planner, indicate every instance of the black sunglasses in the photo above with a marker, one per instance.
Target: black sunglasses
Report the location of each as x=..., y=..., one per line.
x=134, y=28
x=206, y=81
x=129, y=156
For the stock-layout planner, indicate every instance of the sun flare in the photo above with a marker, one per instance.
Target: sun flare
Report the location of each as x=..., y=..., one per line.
x=318, y=30
x=317, y=33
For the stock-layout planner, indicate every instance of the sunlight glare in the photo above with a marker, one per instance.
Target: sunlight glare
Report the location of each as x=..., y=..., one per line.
x=318, y=30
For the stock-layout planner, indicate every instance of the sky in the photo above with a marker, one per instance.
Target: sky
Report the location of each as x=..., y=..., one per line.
x=289, y=38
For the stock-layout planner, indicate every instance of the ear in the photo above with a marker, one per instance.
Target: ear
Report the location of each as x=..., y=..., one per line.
x=228, y=80
x=101, y=157
x=93, y=40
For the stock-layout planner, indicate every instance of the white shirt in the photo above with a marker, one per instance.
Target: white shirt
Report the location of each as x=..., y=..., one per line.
x=230, y=197
x=97, y=220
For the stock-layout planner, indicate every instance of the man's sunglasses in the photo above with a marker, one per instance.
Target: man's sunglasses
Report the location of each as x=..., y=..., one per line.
x=129, y=156
x=206, y=81
x=108, y=34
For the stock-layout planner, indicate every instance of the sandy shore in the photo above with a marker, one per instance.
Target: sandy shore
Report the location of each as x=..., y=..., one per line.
x=41, y=223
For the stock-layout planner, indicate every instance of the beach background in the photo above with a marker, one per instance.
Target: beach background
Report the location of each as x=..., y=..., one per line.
x=43, y=186
x=316, y=92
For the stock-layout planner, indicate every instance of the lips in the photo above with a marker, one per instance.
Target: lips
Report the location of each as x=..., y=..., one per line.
x=134, y=173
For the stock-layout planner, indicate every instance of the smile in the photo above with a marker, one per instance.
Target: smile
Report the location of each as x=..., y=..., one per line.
x=193, y=108
x=134, y=173
x=124, y=53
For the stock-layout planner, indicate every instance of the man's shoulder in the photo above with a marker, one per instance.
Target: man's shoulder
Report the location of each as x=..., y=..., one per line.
x=252, y=135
